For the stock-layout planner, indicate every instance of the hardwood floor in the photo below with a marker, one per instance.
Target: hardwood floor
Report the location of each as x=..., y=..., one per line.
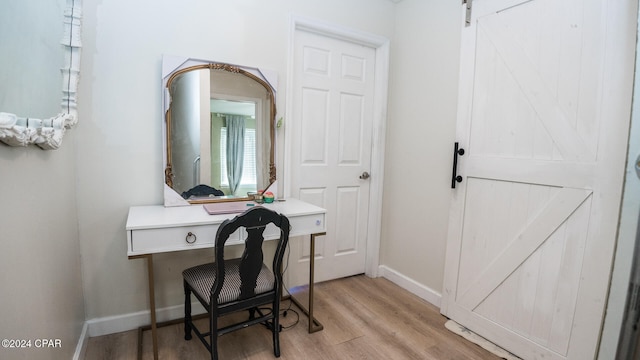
x=363, y=318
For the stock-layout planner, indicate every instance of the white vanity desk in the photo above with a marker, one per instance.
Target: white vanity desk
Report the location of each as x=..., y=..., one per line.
x=159, y=229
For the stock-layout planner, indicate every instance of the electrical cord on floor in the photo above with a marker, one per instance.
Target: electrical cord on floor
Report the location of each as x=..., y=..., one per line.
x=285, y=312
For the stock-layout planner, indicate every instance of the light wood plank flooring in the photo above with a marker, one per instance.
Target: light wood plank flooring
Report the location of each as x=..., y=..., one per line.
x=363, y=318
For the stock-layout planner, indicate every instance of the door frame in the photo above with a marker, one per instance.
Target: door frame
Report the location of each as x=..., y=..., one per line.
x=381, y=46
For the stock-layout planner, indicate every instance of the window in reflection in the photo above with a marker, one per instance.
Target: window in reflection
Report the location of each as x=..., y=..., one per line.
x=234, y=156
x=248, y=180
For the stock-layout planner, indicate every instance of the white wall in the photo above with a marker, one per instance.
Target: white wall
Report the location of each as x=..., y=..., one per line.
x=40, y=258
x=119, y=137
x=420, y=136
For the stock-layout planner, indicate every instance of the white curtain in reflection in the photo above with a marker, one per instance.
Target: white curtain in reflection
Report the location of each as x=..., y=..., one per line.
x=235, y=150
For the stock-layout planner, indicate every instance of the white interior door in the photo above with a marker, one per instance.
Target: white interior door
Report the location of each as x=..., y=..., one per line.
x=543, y=117
x=333, y=91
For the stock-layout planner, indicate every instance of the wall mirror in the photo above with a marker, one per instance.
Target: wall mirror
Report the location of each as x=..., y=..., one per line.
x=219, y=131
x=22, y=129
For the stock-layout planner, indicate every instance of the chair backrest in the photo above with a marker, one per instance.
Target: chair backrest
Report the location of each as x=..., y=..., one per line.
x=202, y=190
x=254, y=221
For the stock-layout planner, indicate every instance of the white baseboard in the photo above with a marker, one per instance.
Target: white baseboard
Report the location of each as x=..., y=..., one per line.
x=125, y=322
x=424, y=292
x=81, y=347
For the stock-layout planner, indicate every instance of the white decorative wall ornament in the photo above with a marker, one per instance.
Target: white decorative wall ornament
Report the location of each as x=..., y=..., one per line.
x=48, y=133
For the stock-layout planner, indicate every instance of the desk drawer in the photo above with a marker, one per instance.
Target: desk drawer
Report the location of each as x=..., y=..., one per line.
x=164, y=239
x=307, y=224
x=300, y=225
x=175, y=238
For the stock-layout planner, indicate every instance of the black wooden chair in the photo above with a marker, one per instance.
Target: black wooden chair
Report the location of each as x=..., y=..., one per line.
x=245, y=283
x=202, y=190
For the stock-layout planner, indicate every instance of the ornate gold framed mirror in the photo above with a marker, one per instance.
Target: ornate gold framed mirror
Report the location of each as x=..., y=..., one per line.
x=219, y=131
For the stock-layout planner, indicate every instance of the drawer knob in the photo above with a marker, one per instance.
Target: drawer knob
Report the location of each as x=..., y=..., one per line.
x=318, y=222
x=191, y=238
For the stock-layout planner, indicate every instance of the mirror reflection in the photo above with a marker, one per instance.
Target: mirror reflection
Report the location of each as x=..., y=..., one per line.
x=219, y=134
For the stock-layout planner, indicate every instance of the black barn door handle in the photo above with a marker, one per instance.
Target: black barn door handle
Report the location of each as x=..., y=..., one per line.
x=455, y=177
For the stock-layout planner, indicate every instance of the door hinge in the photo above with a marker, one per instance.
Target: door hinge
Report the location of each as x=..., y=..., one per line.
x=467, y=19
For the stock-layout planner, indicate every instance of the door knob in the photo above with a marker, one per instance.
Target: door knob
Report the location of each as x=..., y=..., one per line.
x=365, y=175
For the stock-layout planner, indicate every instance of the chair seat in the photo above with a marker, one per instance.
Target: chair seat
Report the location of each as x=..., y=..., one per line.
x=201, y=279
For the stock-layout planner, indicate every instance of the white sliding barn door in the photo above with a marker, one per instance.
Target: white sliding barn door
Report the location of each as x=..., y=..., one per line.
x=333, y=90
x=544, y=112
